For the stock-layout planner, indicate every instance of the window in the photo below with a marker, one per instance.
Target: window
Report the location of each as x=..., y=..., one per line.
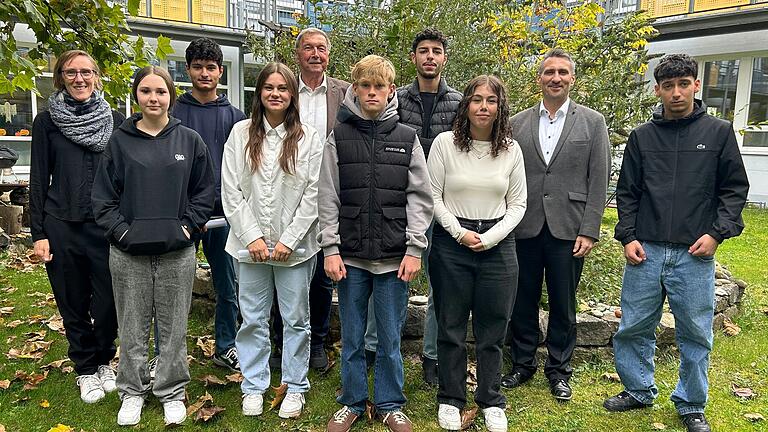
x=758, y=104
x=719, y=87
x=250, y=75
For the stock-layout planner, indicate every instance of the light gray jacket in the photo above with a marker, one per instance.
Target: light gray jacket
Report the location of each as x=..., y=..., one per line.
x=569, y=193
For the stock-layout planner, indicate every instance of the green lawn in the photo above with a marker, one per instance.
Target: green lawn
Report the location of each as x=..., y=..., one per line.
x=740, y=360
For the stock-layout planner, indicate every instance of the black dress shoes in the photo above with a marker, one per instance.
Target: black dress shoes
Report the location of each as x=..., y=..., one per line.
x=623, y=402
x=560, y=389
x=695, y=422
x=514, y=379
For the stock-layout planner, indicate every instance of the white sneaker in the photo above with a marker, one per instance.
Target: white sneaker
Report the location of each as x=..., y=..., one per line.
x=291, y=406
x=130, y=411
x=449, y=417
x=253, y=404
x=174, y=412
x=495, y=419
x=90, y=388
x=107, y=377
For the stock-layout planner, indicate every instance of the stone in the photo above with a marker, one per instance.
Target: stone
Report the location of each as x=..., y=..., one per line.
x=721, y=302
x=591, y=354
x=592, y=331
x=665, y=333
x=596, y=313
x=414, y=321
x=418, y=300
x=717, y=322
x=202, y=307
x=731, y=312
x=720, y=274
x=411, y=347
x=613, y=322
x=202, y=286
x=740, y=283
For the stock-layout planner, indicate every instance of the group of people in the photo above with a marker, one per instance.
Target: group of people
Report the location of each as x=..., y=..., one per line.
x=353, y=186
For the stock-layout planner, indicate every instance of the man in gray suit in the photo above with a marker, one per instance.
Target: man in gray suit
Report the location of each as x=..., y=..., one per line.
x=320, y=97
x=566, y=151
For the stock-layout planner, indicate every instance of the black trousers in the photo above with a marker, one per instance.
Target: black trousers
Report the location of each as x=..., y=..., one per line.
x=320, y=296
x=82, y=286
x=483, y=283
x=545, y=256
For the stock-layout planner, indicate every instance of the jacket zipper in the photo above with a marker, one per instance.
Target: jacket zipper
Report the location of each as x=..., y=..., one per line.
x=372, y=190
x=674, y=178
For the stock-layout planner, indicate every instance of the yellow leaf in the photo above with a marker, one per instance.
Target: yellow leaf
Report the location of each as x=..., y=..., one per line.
x=61, y=428
x=45, y=404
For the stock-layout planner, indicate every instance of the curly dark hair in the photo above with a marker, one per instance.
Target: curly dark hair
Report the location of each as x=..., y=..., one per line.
x=675, y=66
x=204, y=49
x=501, y=136
x=429, y=34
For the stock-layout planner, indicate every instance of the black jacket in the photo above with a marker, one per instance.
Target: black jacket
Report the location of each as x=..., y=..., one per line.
x=681, y=179
x=148, y=187
x=61, y=175
x=213, y=121
x=444, y=111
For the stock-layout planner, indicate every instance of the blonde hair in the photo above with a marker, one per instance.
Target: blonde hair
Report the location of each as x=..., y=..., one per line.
x=66, y=57
x=373, y=68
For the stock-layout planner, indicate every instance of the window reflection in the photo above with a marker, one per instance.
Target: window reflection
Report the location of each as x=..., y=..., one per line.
x=719, y=89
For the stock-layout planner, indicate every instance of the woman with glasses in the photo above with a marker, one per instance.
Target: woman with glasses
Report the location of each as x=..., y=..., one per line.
x=67, y=145
x=478, y=186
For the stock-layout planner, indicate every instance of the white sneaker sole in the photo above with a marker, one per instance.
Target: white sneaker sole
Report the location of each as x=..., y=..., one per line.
x=450, y=426
x=291, y=414
x=253, y=412
x=175, y=422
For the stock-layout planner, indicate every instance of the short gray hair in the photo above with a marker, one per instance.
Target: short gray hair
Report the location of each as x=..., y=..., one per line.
x=560, y=53
x=309, y=31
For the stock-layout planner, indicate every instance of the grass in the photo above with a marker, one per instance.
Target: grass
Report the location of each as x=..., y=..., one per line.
x=741, y=360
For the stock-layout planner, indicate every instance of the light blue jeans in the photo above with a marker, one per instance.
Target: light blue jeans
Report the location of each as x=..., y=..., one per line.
x=258, y=282
x=689, y=283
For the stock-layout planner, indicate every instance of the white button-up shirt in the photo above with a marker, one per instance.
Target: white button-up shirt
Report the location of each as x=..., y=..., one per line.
x=269, y=203
x=550, y=129
x=313, y=106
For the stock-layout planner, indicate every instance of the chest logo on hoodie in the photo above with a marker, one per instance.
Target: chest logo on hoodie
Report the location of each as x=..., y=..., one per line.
x=179, y=157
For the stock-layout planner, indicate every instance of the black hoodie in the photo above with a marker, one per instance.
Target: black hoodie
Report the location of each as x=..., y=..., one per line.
x=681, y=179
x=148, y=187
x=213, y=121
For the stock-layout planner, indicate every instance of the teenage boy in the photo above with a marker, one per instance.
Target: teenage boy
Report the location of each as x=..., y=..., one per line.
x=375, y=207
x=428, y=105
x=680, y=193
x=212, y=116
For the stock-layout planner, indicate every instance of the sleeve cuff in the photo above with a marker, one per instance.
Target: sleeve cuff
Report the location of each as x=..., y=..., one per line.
x=250, y=236
x=716, y=235
x=331, y=250
x=120, y=230
x=628, y=239
x=414, y=251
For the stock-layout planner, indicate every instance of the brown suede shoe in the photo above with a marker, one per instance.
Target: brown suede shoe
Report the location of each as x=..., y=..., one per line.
x=396, y=421
x=342, y=420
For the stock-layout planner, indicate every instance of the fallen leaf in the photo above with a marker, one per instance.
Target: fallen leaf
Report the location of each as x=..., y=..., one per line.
x=468, y=418
x=471, y=376
x=61, y=428
x=55, y=323
x=35, y=319
x=211, y=379
x=31, y=350
x=370, y=409
x=611, y=376
x=202, y=400
x=235, y=377
x=208, y=412
x=279, y=396
x=31, y=380
x=14, y=323
x=754, y=417
x=6, y=310
x=35, y=336
x=658, y=426
x=57, y=364
x=764, y=310
x=730, y=328
x=207, y=344
x=331, y=364
x=9, y=290
x=742, y=392
x=4, y=384
x=45, y=404
x=67, y=369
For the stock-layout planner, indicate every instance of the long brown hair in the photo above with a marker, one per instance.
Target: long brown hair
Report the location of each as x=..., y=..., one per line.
x=292, y=122
x=501, y=135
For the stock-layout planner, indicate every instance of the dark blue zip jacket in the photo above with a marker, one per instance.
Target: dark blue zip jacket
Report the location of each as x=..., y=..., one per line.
x=213, y=121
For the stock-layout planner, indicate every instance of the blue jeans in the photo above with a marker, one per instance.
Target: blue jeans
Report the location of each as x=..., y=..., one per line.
x=390, y=299
x=688, y=282
x=258, y=284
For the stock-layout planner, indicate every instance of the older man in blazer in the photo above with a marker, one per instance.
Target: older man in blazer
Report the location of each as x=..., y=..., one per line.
x=566, y=151
x=320, y=97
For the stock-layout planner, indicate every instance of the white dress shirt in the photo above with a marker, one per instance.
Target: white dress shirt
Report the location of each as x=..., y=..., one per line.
x=550, y=129
x=313, y=106
x=269, y=203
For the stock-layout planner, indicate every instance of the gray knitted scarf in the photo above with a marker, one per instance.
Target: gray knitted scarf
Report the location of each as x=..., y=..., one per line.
x=88, y=123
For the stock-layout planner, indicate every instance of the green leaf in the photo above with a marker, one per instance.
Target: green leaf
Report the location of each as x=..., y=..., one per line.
x=163, y=47
x=23, y=81
x=133, y=7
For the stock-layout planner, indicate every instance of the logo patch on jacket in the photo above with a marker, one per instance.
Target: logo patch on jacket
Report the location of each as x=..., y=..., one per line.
x=394, y=149
x=701, y=146
x=179, y=157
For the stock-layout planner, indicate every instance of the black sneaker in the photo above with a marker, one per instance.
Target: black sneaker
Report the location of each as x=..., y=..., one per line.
x=695, y=422
x=429, y=367
x=227, y=359
x=623, y=402
x=318, y=359
x=276, y=359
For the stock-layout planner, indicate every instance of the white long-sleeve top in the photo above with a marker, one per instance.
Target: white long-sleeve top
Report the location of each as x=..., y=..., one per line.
x=475, y=185
x=269, y=202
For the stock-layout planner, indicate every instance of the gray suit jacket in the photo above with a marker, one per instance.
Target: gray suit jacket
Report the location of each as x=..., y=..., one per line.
x=569, y=193
x=334, y=97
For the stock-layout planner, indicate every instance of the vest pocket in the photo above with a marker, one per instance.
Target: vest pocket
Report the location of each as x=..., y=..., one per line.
x=350, y=228
x=393, y=229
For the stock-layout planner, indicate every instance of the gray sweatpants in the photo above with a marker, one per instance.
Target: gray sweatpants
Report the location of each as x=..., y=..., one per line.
x=141, y=283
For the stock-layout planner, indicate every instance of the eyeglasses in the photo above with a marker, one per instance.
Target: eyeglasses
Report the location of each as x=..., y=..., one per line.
x=72, y=73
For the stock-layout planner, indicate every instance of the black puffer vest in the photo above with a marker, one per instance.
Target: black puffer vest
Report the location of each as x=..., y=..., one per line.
x=374, y=157
x=443, y=112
